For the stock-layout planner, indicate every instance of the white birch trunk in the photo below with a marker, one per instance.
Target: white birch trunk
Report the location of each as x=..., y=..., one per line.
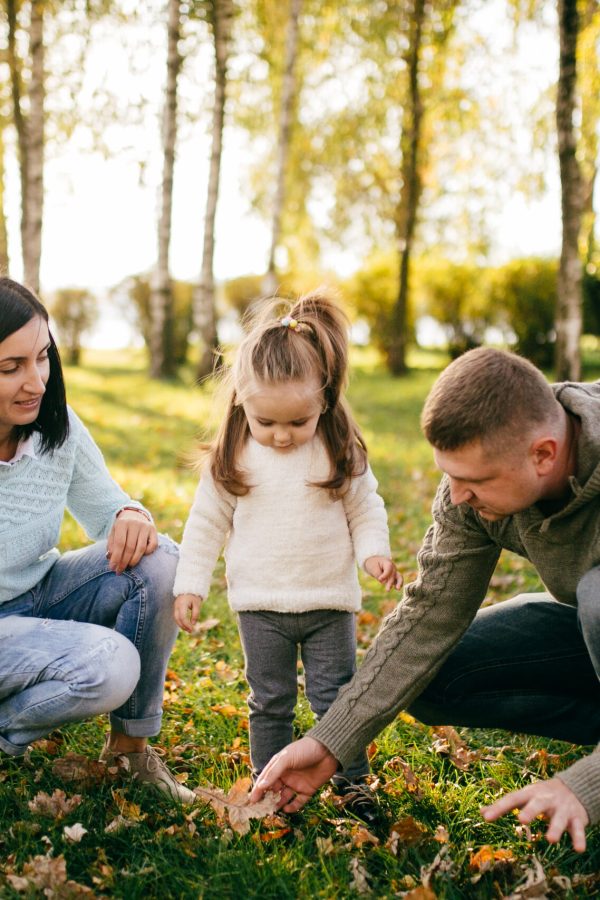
x=569, y=307
x=286, y=114
x=205, y=317
x=162, y=363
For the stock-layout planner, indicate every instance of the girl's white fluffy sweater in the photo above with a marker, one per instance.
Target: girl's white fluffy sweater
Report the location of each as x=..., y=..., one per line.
x=288, y=546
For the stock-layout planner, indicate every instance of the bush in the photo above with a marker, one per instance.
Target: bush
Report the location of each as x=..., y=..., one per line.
x=524, y=292
x=134, y=296
x=75, y=311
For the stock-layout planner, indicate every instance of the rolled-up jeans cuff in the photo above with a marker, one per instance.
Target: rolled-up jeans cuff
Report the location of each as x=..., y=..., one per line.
x=12, y=749
x=149, y=727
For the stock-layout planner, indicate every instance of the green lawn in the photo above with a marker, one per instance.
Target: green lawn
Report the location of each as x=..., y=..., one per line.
x=147, y=431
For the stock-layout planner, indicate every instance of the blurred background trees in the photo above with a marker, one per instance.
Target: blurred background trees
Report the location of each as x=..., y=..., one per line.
x=378, y=142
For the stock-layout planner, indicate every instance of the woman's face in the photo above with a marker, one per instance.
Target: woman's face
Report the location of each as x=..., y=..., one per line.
x=24, y=372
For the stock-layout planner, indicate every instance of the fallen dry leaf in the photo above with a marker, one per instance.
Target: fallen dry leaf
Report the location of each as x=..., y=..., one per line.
x=228, y=710
x=55, y=806
x=535, y=886
x=119, y=824
x=74, y=767
x=74, y=833
x=361, y=835
x=411, y=782
x=48, y=875
x=235, y=806
x=407, y=832
x=486, y=858
x=325, y=846
x=127, y=809
x=360, y=880
x=421, y=893
x=449, y=743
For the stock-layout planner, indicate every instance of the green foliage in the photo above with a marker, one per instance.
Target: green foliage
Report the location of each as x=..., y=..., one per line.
x=134, y=293
x=372, y=292
x=452, y=293
x=240, y=292
x=524, y=294
x=75, y=311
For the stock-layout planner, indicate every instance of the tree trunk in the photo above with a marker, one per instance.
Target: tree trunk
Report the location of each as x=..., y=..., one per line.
x=162, y=362
x=4, y=260
x=568, y=313
x=288, y=96
x=411, y=190
x=205, y=316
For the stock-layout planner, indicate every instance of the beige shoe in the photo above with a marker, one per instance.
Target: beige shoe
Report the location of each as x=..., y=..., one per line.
x=148, y=767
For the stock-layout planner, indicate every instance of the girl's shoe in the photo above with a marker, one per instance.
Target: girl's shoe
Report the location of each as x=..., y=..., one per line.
x=359, y=801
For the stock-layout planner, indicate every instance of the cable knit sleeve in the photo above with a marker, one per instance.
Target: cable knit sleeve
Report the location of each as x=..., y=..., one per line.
x=456, y=562
x=204, y=535
x=93, y=497
x=367, y=518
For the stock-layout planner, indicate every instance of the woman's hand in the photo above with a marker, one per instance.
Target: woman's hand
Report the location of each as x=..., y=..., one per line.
x=186, y=610
x=385, y=571
x=132, y=536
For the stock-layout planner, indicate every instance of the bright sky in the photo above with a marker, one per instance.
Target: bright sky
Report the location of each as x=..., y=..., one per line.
x=100, y=221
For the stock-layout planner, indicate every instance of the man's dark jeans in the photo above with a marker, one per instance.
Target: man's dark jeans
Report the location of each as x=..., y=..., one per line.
x=529, y=664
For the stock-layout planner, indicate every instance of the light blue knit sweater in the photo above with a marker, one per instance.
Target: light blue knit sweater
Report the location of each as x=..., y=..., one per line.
x=33, y=497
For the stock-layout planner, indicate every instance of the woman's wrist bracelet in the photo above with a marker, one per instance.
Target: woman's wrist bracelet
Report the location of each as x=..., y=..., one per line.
x=137, y=509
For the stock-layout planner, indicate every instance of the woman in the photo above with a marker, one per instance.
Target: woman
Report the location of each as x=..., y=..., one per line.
x=89, y=631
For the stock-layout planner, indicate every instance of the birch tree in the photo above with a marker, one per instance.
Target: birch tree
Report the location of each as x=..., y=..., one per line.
x=220, y=15
x=286, y=118
x=569, y=312
x=30, y=131
x=162, y=357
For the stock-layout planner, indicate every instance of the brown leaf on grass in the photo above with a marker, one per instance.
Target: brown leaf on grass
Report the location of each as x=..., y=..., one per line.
x=441, y=834
x=535, y=886
x=359, y=835
x=228, y=710
x=47, y=875
x=421, y=893
x=325, y=846
x=274, y=835
x=410, y=779
x=546, y=762
x=46, y=745
x=127, y=809
x=55, y=806
x=360, y=878
x=406, y=832
x=449, y=743
x=235, y=807
x=486, y=858
x=74, y=767
x=441, y=864
x=120, y=823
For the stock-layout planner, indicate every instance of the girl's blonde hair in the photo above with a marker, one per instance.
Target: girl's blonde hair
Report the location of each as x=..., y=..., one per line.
x=292, y=341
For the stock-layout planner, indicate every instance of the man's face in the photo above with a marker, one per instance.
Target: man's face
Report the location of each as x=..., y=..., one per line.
x=495, y=484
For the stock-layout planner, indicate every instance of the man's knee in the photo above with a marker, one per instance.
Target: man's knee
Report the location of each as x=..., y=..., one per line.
x=588, y=598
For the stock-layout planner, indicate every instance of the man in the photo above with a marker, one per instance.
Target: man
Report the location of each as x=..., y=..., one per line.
x=521, y=464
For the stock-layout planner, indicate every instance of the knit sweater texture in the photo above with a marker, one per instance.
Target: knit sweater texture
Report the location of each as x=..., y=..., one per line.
x=289, y=547
x=34, y=493
x=456, y=561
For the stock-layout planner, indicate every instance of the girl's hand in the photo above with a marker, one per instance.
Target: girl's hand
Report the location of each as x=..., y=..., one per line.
x=131, y=537
x=186, y=609
x=385, y=571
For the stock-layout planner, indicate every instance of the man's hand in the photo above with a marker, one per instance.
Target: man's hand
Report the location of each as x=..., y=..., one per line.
x=186, y=610
x=297, y=772
x=131, y=537
x=385, y=571
x=551, y=799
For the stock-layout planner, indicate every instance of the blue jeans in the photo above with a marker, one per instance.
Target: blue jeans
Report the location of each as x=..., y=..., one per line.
x=529, y=664
x=86, y=641
x=327, y=642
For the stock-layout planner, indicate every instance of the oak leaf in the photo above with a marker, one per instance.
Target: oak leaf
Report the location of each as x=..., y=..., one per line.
x=74, y=767
x=55, y=806
x=235, y=807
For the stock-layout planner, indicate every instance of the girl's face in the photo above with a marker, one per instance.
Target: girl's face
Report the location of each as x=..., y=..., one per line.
x=284, y=416
x=24, y=372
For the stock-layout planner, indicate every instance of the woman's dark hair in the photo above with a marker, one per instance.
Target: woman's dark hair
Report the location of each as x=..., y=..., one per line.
x=18, y=305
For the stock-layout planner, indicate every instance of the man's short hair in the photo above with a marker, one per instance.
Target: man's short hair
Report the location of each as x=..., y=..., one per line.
x=488, y=395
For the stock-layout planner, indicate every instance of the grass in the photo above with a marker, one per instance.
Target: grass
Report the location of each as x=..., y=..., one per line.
x=145, y=429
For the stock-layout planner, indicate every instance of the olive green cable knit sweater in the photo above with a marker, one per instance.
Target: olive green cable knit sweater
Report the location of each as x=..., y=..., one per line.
x=456, y=561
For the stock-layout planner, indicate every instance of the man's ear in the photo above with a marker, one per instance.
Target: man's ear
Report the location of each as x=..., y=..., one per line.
x=544, y=452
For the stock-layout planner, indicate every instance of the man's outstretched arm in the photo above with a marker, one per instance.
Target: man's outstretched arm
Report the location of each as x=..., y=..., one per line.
x=297, y=772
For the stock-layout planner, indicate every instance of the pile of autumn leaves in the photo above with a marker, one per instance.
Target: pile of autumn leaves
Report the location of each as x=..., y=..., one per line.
x=46, y=875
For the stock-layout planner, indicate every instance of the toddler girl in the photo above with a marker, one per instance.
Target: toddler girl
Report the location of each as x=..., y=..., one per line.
x=288, y=491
